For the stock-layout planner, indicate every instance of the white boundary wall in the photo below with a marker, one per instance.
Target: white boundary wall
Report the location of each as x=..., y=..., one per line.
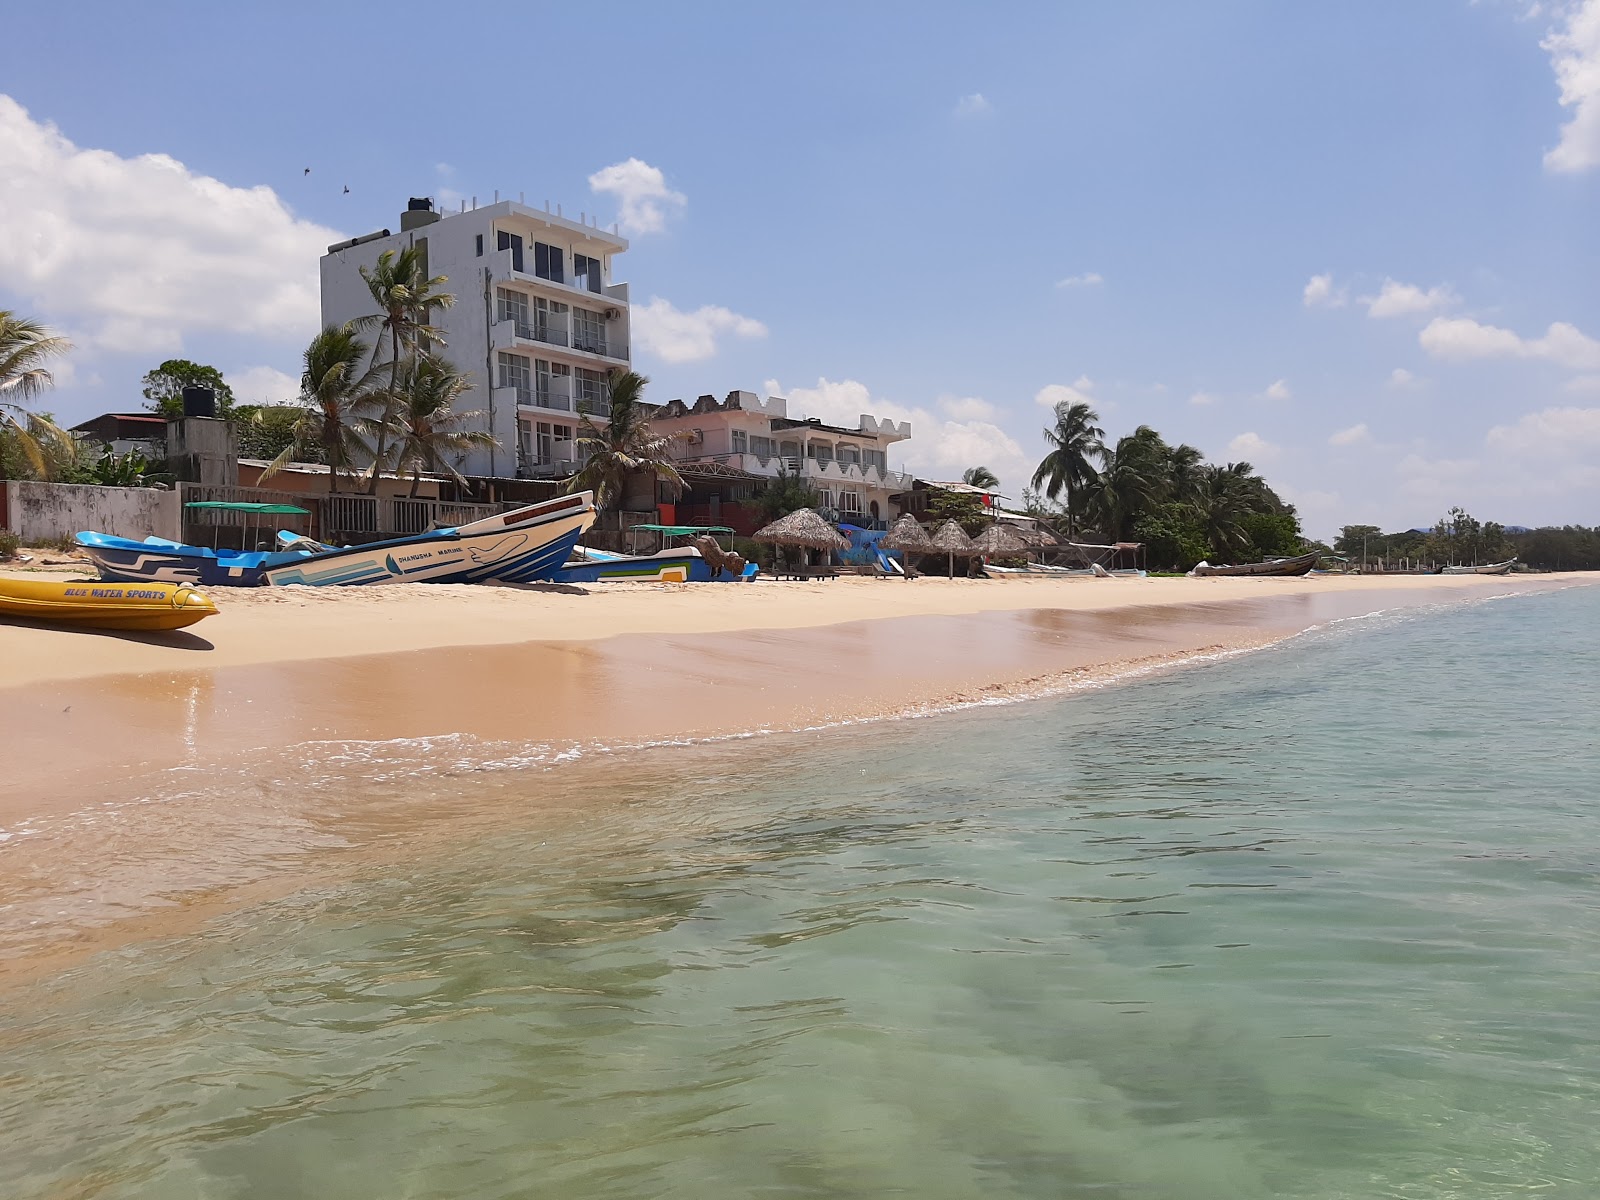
x=37, y=511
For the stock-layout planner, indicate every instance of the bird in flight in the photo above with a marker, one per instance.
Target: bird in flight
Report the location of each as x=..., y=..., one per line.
x=347, y=189
x=308, y=171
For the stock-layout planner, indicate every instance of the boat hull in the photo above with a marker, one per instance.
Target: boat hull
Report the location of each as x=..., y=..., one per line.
x=1503, y=568
x=527, y=553
x=152, y=607
x=156, y=560
x=1287, y=566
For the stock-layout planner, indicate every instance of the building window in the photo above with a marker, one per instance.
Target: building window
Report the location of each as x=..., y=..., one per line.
x=849, y=454
x=586, y=272
x=739, y=441
x=549, y=262
x=545, y=442
x=588, y=331
x=789, y=449
x=564, y=443
x=480, y=245
x=850, y=502
x=761, y=447
x=554, y=384
x=512, y=306
x=872, y=458
x=513, y=243
x=592, y=391
x=514, y=374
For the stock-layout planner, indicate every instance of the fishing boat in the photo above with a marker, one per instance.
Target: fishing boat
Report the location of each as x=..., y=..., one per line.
x=522, y=545
x=1500, y=568
x=150, y=607
x=525, y=545
x=681, y=564
x=1298, y=565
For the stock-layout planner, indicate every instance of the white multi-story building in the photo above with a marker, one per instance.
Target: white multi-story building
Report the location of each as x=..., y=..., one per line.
x=848, y=467
x=537, y=322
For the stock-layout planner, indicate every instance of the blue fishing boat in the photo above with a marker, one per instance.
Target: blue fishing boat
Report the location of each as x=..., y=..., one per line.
x=682, y=564
x=157, y=560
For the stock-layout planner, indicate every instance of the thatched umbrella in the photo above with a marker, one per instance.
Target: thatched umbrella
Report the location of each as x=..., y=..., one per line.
x=905, y=534
x=999, y=540
x=953, y=540
x=803, y=527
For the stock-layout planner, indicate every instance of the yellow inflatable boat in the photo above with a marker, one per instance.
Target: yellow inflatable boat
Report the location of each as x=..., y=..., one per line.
x=151, y=606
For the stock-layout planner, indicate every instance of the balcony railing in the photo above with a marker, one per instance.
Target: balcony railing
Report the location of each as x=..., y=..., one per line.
x=591, y=405
x=829, y=470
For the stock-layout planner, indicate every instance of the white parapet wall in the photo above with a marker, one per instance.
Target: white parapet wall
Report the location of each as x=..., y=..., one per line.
x=43, y=511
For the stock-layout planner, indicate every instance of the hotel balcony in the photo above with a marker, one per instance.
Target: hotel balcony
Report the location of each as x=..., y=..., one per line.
x=826, y=471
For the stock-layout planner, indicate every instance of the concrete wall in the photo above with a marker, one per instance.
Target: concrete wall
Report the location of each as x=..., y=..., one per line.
x=36, y=511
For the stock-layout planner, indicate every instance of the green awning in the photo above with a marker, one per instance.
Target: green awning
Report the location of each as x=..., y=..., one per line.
x=241, y=507
x=683, y=530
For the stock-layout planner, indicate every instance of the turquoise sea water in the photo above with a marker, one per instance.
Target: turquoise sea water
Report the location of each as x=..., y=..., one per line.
x=1319, y=921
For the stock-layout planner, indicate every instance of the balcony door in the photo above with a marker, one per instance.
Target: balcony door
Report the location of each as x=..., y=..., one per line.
x=513, y=243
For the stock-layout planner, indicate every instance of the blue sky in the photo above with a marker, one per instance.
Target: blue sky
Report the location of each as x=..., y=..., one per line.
x=1352, y=242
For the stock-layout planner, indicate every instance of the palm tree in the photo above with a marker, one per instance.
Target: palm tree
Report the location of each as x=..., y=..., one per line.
x=625, y=447
x=1075, y=442
x=1131, y=482
x=335, y=392
x=980, y=477
x=1184, y=465
x=428, y=426
x=403, y=294
x=1224, y=499
x=25, y=346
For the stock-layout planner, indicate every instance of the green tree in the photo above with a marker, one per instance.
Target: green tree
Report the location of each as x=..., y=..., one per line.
x=404, y=293
x=1183, y=469
x=980, y=477
x=163, y=387
x=267, y=430
x=1354, y=541
x=785, y=494
x=1130, y=484
x=624, y=448
x=428, y=427
x=965, y=509
x=1173, y=537
x=1074, y=441
x=25, y=348
x=336, y=392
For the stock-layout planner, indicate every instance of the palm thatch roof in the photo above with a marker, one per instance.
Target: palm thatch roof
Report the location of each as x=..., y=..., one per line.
x=950, y=538
x=1037, y=536
x=906, y=534
x=999, y=540
x=803, y=527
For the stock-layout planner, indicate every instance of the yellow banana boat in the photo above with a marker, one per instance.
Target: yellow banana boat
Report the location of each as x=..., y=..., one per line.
x=151, y=606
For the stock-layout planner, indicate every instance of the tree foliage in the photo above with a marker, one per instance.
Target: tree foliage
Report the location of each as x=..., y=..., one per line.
x=267, y=430
x=964, y=509
x=625, y=448
x=25, y=348
x=337, y=394
x=783, y=495
x=163, y=387
x=980, y=477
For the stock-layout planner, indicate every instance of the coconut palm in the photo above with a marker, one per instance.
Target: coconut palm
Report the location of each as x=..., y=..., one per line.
x=1184, y=466
x=625, y=447
x=427, y=425
x=1131, y=481
x=1225, y=499
x=403, y=293
x=980, y=477
x=336, y=393
x=1075, y=442
x=25, y=347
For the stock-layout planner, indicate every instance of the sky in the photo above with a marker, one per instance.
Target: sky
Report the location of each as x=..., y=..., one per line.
x=1353, y=242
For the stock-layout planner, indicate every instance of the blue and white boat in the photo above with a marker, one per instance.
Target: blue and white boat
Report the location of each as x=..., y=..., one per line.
x=522, y=546
x=680, y=564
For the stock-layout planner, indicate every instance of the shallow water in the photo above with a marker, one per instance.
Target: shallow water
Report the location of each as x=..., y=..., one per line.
x=1314, y=922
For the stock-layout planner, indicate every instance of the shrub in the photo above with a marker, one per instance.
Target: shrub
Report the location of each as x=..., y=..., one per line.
x=9, y=543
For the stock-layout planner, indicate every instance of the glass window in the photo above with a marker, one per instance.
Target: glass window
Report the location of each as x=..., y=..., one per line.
x=586, y=272
x=588, y=331
x=513, y=243
x=850, y=502
x=480, y=245
x=512, y=306
x=514, y=373
x=549, y=262
x=740, y=441
x=761, y=447
x=592, y=390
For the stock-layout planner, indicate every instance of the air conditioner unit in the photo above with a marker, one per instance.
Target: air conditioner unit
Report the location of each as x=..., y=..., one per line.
x=613, y=313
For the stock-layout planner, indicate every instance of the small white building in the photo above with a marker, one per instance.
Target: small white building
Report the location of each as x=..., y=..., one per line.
x=538, y=322
x=849, y=467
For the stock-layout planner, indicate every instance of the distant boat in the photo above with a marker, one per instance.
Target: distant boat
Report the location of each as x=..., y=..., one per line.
x=1273, y=566
x=680, y=564
x=1500, y=568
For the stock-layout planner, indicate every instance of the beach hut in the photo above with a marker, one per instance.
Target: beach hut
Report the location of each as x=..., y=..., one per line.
x=951, y=540
x=999, y=541
x=804, y=528
x=907, y=536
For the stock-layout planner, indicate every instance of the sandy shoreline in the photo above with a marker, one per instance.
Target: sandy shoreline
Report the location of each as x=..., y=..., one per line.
x=159, y=781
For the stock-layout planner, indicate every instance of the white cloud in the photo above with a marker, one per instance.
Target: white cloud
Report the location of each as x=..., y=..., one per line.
x=1279, y=390
x=1060, y=393
x=131, y=253
x=1204, y=399
x=643, y=192
x=676, y=337
x=966, y=408
x=1320, y=293
x=1087, y=279
x=263, y=385
x=1403, y=379
x=1252, y=447
x=941, y=448
x=1575, y=56
x=973, y=105
x=1463, y=338
x=1440, y=479
x=1552, y=432
x=1353, y=436
x=1396, y=299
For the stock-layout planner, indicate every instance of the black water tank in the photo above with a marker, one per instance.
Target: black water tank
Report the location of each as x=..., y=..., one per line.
x=199, y=402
